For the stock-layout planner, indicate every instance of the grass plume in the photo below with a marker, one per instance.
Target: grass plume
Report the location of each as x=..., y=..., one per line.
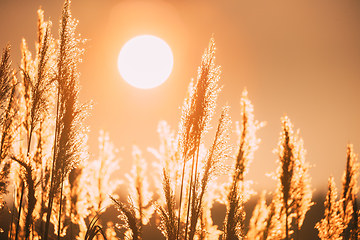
x=198, y=108
x=70, y=114
x=128, y=216
x=332, y=225
x=235, y=214
x=7, y=114
x=349, y=195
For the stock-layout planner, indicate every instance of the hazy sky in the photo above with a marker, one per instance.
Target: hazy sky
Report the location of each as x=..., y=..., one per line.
x=300, y=58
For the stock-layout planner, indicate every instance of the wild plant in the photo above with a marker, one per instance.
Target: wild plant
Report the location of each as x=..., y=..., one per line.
x=43, y=153
x=332, y=225
x=69, y=128
x=36, y=75
x=197, y=111
x=7, y=115
x=349, y=195
x=169, y=170
x=168, y=222
x=139, y=189
x=75, y=196
x=94, y=184
x=168, y=159
x=292, y=198
x=248, y=143
x=258, y=219
x=212, y=162
x=93, y=230
x=8, y=110
x=131, y=223
x=42, y=160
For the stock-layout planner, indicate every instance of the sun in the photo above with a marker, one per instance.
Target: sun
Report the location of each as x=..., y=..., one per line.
x=145, y=61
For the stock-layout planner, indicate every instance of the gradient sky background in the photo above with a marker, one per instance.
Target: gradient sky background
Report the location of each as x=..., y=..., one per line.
x=300, y=58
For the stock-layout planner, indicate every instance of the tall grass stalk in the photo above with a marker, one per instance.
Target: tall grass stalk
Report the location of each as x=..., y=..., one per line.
x=93, y=230
x=258, y=219
x=198, y=108
x=214, y=161
x=36, y=77
x=139, y=190
x=168, y=219
x=7, y=114
x=332, y=225
x=349, y=195
x=95, y=183
x=128, y=216
x=68, y=142
x=293, y=195
x=235, y=215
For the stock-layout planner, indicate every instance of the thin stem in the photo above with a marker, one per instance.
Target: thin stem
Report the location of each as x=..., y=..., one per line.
x=192, y=189
x=181, y=193
x=51, y=191
x=19, y=215
x=61, y=193
x=12, y=217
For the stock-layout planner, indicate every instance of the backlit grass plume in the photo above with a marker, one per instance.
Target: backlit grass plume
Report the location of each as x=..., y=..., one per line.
x=293, y=195
x=168, y=219
x=214, y=160
x=7, y=115
x=198, y=108
x=33, y=97
x=166, y=178
x=332, y=225
x=95, y=184
x=93, y=230
x=341, y=218
x=139, y=189
x=43, y=142
x=235, y=214
x=131, y=223
x=258, y=219
x=69, y=128
x=168, y=159
x=6, y=81
x=97, y=173
x=349, y=195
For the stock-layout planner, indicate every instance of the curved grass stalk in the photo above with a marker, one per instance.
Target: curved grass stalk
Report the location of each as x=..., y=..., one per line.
x=93, y=229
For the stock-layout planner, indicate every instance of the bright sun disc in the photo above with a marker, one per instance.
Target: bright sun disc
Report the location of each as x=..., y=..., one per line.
x=145, y=61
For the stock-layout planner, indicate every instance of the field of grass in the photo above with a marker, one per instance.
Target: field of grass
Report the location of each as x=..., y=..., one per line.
x=58, y=193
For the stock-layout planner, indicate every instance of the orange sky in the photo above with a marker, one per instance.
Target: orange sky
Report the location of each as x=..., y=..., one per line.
x=300, y=58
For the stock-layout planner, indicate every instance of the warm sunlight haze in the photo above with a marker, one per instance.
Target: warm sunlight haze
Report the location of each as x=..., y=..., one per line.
x=179, y=120
x=145, y=61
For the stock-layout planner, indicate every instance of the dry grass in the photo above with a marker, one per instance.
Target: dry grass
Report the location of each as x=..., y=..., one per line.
x=43, y=145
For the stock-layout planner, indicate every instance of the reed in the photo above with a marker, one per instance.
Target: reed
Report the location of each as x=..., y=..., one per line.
x=258, y=219
x=93, y=230
x=332, y=225
x=349, y=195
x=341, y=218
x=197, y=111
x=7, y=114
x=248, y=143
x=292, y=198
x=139, y=192
x=36, y=81
x=128, y=216
x=70, y=114
x=214, y=160
x=168, y=224
x=43, y=143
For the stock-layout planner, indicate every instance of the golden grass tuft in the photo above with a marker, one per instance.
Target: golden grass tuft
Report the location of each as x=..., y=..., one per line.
x=43, y=145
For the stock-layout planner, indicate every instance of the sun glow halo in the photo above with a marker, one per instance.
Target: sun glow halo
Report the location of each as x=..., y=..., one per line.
x=145, y=61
